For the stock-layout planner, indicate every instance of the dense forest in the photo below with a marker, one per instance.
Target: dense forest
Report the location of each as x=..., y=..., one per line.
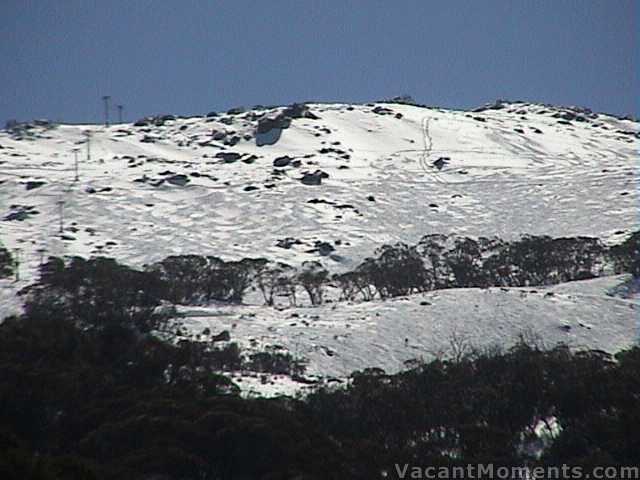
x=112, y=403
x=87, y=391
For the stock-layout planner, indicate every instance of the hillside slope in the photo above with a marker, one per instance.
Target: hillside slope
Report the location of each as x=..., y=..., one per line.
x=333, y=182
x=505, y=171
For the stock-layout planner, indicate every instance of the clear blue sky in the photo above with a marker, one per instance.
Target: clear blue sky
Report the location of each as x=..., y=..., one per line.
x=58, y=57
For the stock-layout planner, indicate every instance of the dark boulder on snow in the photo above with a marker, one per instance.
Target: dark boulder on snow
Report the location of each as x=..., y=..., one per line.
x=31, y=184
x=236, y=111
x=179, y=180
x=223, y=336
x=314, y=178
x=231, y=141
x=299, y=110
x=218, y=135
x=269, y=129
x=441, y=162
x=228, y=157
x=282, y=161
x=143, y=122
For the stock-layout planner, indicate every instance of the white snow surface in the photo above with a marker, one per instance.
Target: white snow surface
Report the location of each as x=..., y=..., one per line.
x=576, y=179
x=510, y=171
x=337, y=339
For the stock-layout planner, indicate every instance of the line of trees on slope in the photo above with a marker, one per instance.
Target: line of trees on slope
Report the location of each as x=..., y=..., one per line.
x=100, y=287
x=111, y=300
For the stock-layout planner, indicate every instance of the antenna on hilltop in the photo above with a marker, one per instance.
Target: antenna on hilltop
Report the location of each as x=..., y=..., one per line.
x=106, y=99
x=120, y=108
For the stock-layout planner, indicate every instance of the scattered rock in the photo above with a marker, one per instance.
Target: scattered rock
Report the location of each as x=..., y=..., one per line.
x=282, y=161
x=223, y=336
x=324, y=248
x=179, y=180
x=228, y=157
x=287, y=243
x=232, y=141
x=217, y=135
x=20, y=213
x=32, y=184
x=314, y=178
x=382, y=111
x=441, y=162
x=299, y=110
x=269, y=129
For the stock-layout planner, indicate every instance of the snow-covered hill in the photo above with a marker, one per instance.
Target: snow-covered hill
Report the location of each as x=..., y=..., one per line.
x=332, y=182
x=521, y=168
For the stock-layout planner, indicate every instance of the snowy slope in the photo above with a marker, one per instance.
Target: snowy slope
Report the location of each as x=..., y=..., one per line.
x=395, y=173
x=337, y=339
x=569, y=179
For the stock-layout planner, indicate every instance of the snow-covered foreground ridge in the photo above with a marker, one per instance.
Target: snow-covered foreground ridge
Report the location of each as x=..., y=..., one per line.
x=208, y=185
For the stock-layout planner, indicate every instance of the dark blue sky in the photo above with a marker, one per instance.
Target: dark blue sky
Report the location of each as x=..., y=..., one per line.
x=58, y=57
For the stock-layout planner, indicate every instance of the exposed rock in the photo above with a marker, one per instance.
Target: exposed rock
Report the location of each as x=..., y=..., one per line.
x=314, y=178
x=324, y=248
x=232, y=141
x=32, y=184
x=282, y=161
x=269, y=129
x=223, y=336
x=266, y=124
x=143, y=122
x=236, y=111
x=218, y=135
x=179, y=180
x=382, y=111
x=20, y=213
x=228, y=157
x=441, y=162
x=288, y=242
x=299, y=110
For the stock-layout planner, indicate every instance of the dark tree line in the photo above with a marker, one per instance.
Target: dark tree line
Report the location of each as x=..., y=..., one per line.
x=440, y=261
x=75, y=404
x=189, y=279
x=436, y=262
